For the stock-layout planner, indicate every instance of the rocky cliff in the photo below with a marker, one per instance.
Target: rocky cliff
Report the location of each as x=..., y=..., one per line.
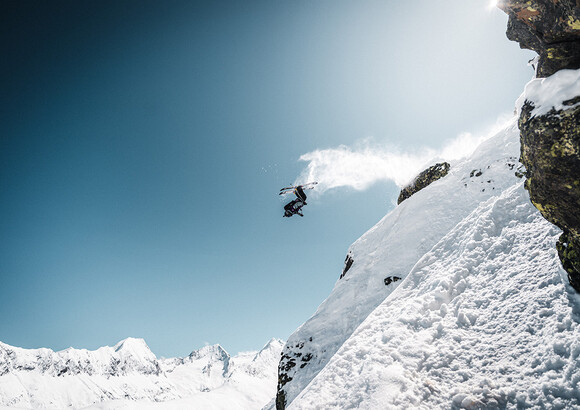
x=550, y=148
x=550, y=128
x=551, y=28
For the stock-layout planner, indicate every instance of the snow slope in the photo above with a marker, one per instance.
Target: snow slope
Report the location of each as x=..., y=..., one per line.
x=483, y=320
x=129, y=375
x=384, y=256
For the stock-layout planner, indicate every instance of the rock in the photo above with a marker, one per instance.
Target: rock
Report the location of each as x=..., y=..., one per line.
x=550, y=151
x=551, y=28
x=569, y=253
x=424, y=179
x=291, y=354
x=347, y=265
x=390, y=279
x=281, y=400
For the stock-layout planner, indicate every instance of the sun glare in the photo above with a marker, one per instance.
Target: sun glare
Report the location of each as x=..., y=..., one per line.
x=492, y=4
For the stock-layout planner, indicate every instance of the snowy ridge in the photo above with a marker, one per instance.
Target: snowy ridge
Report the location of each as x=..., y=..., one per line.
x=484, y=320
x=129, y=355
x=384, y=256
x=129, y=373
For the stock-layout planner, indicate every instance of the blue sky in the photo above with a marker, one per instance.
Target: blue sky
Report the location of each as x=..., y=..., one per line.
x=143, y=144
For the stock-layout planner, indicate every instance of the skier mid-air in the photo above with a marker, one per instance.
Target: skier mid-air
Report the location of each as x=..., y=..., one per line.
x=294, y=207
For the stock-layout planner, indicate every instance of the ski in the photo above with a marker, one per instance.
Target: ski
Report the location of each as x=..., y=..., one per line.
x=285, y=190
x=309, y=185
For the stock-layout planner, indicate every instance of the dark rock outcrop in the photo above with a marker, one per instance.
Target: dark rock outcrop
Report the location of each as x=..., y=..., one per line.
x=390, y=279
x=425, y=178
x=550, y=151
x=347, y=265
x=569, y=253
x=292, y=355
x=551, y=28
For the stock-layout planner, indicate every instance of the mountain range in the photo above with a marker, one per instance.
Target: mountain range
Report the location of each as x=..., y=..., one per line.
x=129, y=375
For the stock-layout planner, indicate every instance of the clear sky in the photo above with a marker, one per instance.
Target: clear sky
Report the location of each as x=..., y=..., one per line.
x=142, y=145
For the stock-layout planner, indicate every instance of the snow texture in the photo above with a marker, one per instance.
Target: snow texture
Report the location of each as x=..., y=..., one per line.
x=477, y=312
x=483, y=320
x=129, y=376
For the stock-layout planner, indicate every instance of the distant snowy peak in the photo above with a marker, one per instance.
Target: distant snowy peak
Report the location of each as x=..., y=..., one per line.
x=213, y=351
x=268, y=357
x=135, y=355
x=131, y=344
x=213, y=362
x=271, y=351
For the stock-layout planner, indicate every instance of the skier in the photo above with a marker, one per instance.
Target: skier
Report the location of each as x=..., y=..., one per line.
x=294, y=207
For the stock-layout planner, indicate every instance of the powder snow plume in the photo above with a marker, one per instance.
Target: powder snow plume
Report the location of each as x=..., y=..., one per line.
x=367, y=163
x=360, y=167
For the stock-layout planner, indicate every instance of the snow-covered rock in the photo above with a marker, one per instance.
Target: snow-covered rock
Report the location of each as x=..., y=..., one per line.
x=129, y=374
x=477, y=312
